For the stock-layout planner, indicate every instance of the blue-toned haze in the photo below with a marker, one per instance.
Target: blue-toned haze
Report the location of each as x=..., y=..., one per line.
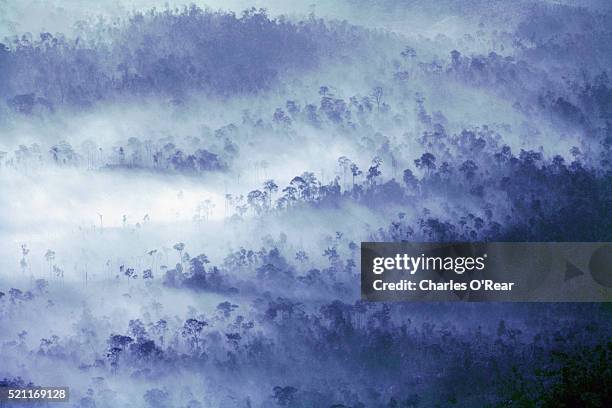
x=184, y=188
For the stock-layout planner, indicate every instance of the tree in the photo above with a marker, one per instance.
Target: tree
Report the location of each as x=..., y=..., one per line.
x=129, y=273
x=204, y=207
x=116, y=344
x=62, y=153
x=24, y=262
x=270, y=187
x=196, y=278
x=345, y=164
x=180, y=247
x=59, y=272
x=192, y=329
x=284, y=396
x=469, y=168
x=281, y=118
x=408, y=53
x=455, y=59
x=308, y=185
x=410, y=180
x=156, y=398
x=152, y=254
x=41, y=285
x=426, y=162
x=298, y=184
x=50, y=256
x=377, y=95
x=355, y=172
x=290, y=195
x=101, y=225
x=226, y=308
x=257, y=200
x=301, y=256
x=159, y=329
x=374, y=170
x=137, y=330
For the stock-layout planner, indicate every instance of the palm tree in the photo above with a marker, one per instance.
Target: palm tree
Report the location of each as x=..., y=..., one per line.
x=356, y=172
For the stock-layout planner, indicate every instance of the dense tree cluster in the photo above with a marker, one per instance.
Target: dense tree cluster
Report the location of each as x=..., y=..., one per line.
x=171, y=53
x=398, y=355
x=413, y=165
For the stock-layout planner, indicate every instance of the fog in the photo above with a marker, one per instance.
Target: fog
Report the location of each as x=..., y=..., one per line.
x=183, y=192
